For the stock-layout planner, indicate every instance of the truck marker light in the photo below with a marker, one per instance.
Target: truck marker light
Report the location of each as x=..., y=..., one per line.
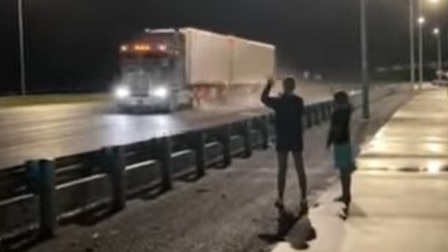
x=142, y=48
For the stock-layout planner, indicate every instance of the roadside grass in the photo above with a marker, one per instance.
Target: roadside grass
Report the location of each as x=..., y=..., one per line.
x=32, y=100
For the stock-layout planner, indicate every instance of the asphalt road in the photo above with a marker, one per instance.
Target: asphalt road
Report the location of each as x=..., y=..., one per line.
x=59, y=130
x=226, y=211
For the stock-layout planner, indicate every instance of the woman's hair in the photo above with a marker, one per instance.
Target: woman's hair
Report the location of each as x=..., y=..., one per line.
x=341, y=98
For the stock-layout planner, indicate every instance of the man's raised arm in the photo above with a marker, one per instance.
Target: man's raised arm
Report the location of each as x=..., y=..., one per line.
x=265, y=99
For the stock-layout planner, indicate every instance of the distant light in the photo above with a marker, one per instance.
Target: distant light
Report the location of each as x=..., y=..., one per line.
x=160, y=92
x=434, y=1
x=122, y=92
x=162, y=47
x=436, y=31
x=124, y=48
x=397, y=68
x=421, y=20
x=434, y=167
x=381, y=69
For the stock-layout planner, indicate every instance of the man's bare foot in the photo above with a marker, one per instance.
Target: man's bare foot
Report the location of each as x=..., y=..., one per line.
x=303, y=207
x=279, y=204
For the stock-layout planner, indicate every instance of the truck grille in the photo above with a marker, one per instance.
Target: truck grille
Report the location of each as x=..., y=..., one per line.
x=139, y=94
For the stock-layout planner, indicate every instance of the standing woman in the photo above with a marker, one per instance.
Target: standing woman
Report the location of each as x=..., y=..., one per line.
x=339, y=138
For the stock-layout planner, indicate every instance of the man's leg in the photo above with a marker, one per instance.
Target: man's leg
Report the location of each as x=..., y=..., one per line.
x=282, y=158
x=300, y=168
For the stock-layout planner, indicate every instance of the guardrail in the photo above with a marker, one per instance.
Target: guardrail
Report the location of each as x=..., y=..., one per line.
x=440, y=83
x=41, y=194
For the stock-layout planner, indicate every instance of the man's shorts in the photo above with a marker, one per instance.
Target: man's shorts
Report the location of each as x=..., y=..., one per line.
x=289, y=145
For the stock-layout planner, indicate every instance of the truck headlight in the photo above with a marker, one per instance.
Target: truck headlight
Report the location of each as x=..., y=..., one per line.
x=160, y=92
x=122, y=92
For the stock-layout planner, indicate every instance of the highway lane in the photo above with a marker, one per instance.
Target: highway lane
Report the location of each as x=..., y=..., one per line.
x=58, y=130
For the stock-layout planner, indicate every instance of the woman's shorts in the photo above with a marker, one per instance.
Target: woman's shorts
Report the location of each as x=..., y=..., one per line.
x=343, y=156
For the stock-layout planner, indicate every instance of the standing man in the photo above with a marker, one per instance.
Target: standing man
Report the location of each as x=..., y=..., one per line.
x=289, y=130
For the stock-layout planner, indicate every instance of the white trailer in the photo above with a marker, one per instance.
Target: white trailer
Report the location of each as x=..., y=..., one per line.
x=166, y=69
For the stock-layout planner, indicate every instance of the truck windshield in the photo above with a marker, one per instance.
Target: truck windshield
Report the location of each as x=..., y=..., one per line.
x=146, y=74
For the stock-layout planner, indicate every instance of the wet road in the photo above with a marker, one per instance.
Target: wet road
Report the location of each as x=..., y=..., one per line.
x=58, y=130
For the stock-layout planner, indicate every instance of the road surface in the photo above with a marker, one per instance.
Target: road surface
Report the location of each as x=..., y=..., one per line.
x=60, y=130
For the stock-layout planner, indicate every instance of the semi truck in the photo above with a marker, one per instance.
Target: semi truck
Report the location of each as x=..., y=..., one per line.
x=167, y=69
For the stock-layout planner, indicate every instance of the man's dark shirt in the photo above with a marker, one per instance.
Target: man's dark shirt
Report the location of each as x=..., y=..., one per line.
x=288, y=120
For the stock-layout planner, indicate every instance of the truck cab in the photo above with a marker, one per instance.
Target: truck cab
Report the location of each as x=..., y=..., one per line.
x=152, y=73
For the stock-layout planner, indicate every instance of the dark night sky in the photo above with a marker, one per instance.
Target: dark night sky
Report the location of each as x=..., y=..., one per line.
x=73, y=43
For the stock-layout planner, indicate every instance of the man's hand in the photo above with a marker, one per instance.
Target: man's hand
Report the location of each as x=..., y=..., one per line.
x=271, y=82
x=265, y=99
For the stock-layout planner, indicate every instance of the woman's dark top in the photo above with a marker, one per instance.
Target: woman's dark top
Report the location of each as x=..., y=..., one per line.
x=340, y=125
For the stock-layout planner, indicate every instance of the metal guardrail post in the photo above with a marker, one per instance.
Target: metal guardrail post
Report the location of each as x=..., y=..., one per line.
x=304, y=121
x=328, y=109
x=32, y=176
x=264, y=130
x=224, y=137
x=247, y=137
x=41, y=180
x=198, y=144
x=316, y=116
x=271, y=127
x=323, y=111
x=163, y=153
x=115, y=167
x=309, y=117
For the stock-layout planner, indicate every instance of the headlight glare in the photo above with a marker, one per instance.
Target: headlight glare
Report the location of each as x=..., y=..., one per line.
x=122, y=92
x=160, y=92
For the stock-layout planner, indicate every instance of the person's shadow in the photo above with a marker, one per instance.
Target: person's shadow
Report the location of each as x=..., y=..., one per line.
x=296, y=229
x=301, y=234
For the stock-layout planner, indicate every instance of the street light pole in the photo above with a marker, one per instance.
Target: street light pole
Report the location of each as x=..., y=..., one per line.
x=22, y=49
x=412, y=39
x=421, y=22
x=439, y=50
x=364, y=62
x=439, y=47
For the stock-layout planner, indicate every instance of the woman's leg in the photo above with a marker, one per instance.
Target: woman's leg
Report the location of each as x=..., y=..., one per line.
x=345, y=176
